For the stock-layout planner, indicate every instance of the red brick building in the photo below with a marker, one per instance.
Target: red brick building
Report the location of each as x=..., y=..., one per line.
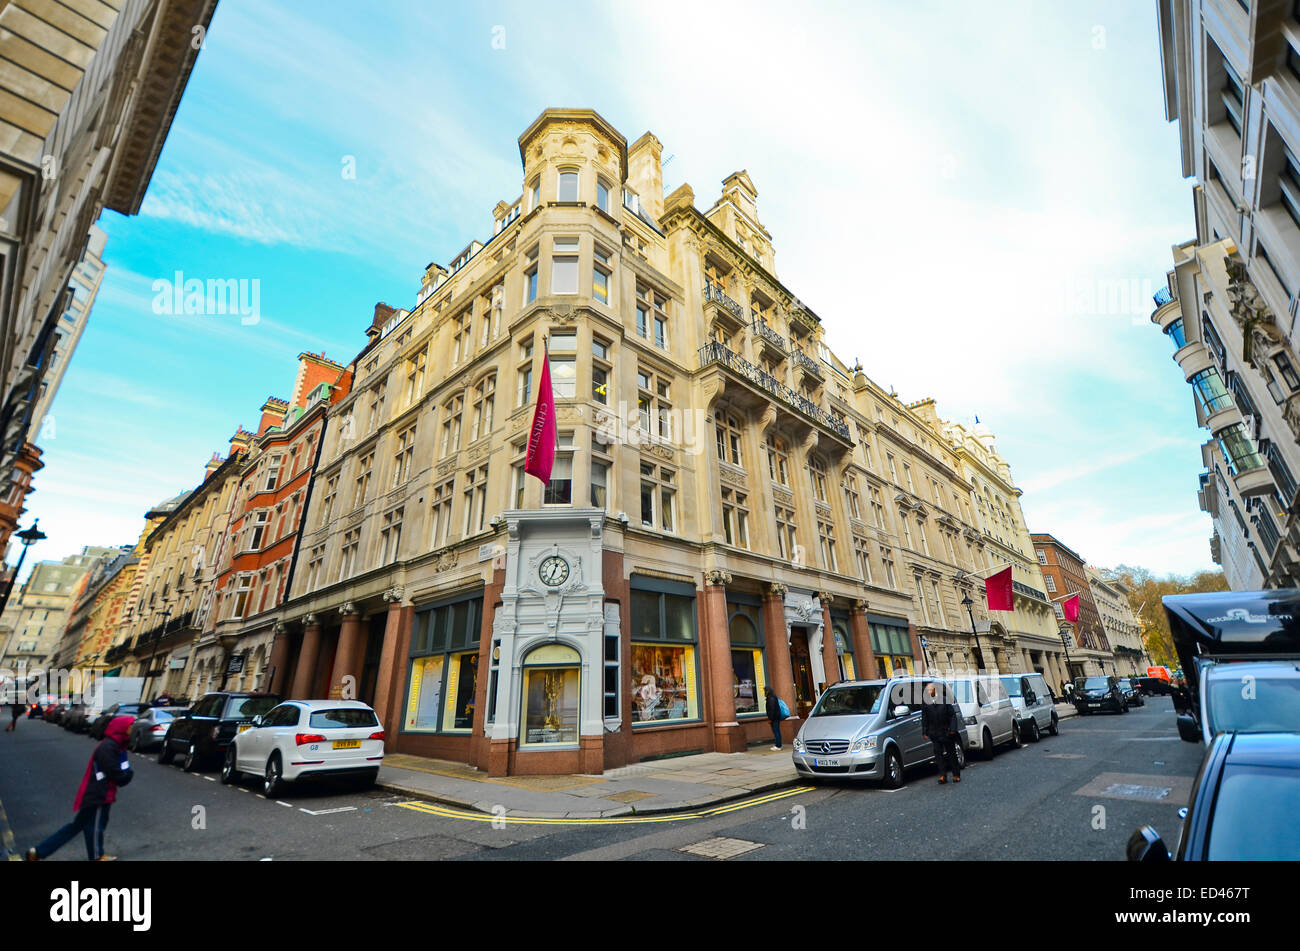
x=1065, y=574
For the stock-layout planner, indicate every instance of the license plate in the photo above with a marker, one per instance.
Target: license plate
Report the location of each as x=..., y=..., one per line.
x=246, y=726
x=347, y=744
x=826, y=762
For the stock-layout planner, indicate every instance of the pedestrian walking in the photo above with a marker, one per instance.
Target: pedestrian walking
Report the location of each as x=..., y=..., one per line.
x=15, y=711
x=776, y=712
x=108, y=769
x=941, y=724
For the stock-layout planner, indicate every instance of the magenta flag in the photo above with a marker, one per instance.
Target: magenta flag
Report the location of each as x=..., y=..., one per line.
x=998, y=592
x=543, y=436
x=1070, y=607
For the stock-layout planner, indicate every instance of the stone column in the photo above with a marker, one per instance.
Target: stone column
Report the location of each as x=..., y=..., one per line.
x=347, y=655
x=308, y=655
x=727, y=735
x=388, y=658
x=279, y=661
x=864, y=658
x=780, y=669
x=830, y=659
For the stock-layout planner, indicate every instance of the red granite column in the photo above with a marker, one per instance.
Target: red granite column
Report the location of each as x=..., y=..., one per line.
x=279, y=661
x=727, y=735
x=830, y=659
x=307, y=658
x=864, y=658
x=388, y=661
x=347, y=656
x=780, y=668
x=918, y=656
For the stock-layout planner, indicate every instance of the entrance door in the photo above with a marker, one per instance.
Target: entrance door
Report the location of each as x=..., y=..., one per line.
x=801, y=662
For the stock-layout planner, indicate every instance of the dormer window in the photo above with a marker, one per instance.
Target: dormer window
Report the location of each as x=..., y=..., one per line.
x=568, y=186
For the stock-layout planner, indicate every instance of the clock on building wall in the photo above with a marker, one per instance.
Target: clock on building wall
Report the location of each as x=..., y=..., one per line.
x=553, y=571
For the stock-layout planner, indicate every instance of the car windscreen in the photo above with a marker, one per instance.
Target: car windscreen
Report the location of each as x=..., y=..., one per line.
x=1253, y=704
x=245, y=708
x=849, y=701
x=1095, y=683
x=1012, y=684
x=1125, y=684
x=1254, y=816
x=343, y=718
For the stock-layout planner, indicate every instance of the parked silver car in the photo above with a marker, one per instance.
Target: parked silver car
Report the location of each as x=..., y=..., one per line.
x=865, y=729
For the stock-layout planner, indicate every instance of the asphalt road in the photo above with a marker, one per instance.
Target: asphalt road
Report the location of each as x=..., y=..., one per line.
x=1075, y=796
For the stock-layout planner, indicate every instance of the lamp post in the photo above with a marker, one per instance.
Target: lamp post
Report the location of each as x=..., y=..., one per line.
x=28, y=538
x=166, y=613
x=967, y=603
x=227, y=642
x=1065, y=639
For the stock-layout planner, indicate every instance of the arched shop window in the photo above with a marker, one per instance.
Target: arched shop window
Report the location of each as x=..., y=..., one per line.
x=745, y=626
x=443, y=677
x=552, y=679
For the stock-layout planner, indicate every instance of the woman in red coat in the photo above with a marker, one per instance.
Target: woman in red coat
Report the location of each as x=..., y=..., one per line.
x=108, y=769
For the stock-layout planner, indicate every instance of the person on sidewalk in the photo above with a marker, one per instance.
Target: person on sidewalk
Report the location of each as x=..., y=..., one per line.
x=776, y=712
x=941, y=725
x=109, y=768
x=15, y=711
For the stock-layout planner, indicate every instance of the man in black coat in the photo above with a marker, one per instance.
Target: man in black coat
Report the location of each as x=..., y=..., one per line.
x=941, y=724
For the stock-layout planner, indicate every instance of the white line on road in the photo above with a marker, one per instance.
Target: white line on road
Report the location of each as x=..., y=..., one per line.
x=281, y=802
x=327, y=812
x=210, y=779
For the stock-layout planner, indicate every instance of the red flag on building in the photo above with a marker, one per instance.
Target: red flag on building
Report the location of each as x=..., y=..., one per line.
x=997, y=590
x=542, y=437
x=1071, y=608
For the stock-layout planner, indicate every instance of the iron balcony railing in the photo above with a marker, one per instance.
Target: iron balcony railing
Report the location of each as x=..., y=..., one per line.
x=771, y=336
x=716, y=353
x=712, y=292
x=1029, y=592
x=807, y=362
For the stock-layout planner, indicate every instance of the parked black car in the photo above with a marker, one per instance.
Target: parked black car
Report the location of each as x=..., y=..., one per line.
x=151, y=726
x=1131, y=692
x=1098, y=693
x=202, y=734
x=1153, y=686
x=100, y=722
x=1242, y=806
x=76, y=718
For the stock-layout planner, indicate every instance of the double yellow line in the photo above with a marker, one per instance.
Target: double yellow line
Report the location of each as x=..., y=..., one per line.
x=448, y=812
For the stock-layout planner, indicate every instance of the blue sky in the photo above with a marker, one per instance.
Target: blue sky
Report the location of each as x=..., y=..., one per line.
x=950, y=186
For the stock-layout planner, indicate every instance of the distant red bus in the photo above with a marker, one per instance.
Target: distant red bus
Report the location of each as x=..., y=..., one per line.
x=1161, y=672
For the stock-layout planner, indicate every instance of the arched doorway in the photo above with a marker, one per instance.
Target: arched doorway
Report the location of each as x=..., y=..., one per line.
x=552, y=678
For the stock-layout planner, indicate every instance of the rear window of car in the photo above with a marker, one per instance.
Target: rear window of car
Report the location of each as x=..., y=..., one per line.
x=128, y=710
x=1254, y=816
x=343, y=718
x=245, y=708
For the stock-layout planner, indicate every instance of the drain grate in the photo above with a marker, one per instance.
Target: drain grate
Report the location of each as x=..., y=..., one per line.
x=1133, y=791
x=721, y=848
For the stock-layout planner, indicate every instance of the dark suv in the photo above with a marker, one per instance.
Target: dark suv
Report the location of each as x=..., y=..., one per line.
x=1098, y=693
x=202, y=734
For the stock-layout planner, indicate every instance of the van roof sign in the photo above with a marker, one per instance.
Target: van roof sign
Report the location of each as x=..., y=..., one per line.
x=1228, y=623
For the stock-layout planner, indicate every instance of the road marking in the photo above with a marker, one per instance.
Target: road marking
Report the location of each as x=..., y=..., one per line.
x=448, y=812
x=242, y=789
x=7, y=836
x=281, y=802
x=210, y=779
x=260, y=796
x=327, y=812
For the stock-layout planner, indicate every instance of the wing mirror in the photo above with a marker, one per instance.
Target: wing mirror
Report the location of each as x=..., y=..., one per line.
x=1188, y=728
x=902, y=710
x=257, y=720
x=1145, y=845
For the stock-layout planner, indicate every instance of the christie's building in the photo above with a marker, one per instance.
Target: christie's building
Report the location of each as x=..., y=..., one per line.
x=731, y=507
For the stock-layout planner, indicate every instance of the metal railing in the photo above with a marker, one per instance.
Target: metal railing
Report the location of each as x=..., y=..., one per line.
x=771, y=336
x=807, y=362
x=1029, y=592
x=1162, y=297
x=712, y=292
x=716, y=353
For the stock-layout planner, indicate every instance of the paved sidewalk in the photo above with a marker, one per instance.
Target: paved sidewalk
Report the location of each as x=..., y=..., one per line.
x=668, y=785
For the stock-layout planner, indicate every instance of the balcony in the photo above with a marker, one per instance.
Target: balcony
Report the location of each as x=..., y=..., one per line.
x=713, y=294
x=1028, y=592
x=770, y=337
x=807, y=364
x=717, y=353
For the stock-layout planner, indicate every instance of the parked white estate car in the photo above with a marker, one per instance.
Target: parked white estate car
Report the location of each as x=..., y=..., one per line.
x=307, y=738
x=1033, y=704
x=989, y=717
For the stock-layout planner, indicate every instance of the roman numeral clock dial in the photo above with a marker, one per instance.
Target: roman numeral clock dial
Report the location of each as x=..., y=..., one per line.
x=554, y=571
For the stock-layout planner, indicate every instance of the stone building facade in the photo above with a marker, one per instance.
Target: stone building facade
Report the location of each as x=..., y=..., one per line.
x=1066, y=574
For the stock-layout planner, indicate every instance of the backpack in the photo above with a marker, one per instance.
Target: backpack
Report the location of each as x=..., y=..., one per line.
x=785, y=711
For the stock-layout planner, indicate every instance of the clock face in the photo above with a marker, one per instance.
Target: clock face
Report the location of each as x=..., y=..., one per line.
x=554, y=571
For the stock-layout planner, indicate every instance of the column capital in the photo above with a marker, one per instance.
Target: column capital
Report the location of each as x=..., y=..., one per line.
x=777, y=590
x=717, y=577
x=395, y=594
x=860, y=606
x=310, y=620
x=349, y=608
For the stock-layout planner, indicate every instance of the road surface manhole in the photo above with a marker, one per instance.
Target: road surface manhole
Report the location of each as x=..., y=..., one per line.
x=1132, y=791
x=721, y=848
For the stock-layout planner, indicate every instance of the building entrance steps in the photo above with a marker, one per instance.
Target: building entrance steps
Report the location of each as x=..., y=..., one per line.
x=660, y=786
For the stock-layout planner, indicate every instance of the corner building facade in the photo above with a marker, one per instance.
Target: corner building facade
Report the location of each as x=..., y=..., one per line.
x=722, y=516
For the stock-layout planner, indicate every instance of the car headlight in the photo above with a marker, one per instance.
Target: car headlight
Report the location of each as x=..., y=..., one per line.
x=798, y=745
x=864, y=744
x=970, y=721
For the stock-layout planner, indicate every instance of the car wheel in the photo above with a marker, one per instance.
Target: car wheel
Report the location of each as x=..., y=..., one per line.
x=191, y=761
x=961, y=755
x=133, y=743
x=228, y=772
x=1034, y=733
x=1053, y=728
x=986, y=750
x=1017, y=739
x=273, y=781
x=165, y=754
x=893, y=778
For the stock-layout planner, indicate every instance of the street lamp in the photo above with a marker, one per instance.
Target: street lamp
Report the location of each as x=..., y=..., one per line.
x=1065, y=639
x=967, y=603
x=227, y=642
x=28, y=538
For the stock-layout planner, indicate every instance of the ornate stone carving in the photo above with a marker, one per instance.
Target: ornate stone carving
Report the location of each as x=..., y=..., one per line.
x=1250, y=312
x=860, y=606
x=717, y=577
x=394, y=594
x=479, y=451
x=732, y=477
x=778, y=590
x=310, y=619
x=446, y=559
x=562, y=313
x=348, y=608
x=446, y=466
